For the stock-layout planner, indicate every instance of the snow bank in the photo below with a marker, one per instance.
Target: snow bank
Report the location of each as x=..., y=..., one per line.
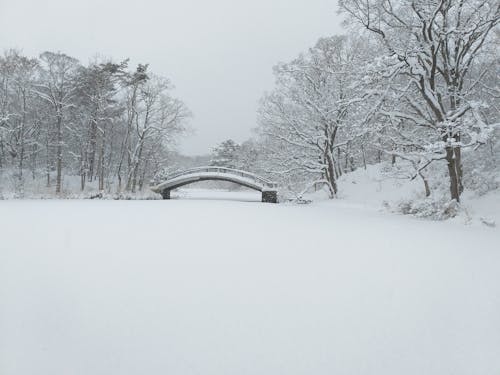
x=379, y=187
x=10, y=188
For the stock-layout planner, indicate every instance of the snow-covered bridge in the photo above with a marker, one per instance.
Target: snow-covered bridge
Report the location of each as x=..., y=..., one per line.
x=188, y=176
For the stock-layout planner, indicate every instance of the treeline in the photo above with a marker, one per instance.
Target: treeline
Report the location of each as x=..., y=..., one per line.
x=413, y=82
x=104, y=122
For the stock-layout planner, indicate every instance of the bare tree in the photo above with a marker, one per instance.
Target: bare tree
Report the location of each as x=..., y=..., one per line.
x=158, y=118
x=98, y=87
x=57, y=87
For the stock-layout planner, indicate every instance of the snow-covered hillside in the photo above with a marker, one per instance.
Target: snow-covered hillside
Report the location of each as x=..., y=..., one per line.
x=226, y=287
x=380, y=188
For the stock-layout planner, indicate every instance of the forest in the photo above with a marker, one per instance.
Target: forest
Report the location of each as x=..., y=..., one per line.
x=102, y=122
x=414, y=86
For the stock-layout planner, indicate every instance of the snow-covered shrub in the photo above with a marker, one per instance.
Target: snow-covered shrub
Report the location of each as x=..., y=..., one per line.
x=438, y=205
x=436, y=208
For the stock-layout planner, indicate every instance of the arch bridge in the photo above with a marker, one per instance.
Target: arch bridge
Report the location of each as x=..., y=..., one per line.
x=175, y=180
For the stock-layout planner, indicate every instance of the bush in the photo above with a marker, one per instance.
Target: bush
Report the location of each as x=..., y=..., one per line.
x=431, y=207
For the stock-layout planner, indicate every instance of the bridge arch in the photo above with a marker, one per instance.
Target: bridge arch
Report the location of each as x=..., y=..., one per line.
x=189, y=176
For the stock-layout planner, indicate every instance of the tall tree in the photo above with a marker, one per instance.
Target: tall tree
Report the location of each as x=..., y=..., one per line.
x=432, y=46
x=57, y=86
x=98, y=87
x=310, y=114
x=158, y=118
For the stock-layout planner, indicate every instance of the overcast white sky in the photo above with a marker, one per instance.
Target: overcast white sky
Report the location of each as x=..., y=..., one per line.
x=218, y=53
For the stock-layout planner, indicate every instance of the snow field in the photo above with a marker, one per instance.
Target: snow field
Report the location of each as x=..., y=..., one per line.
x=224, y=287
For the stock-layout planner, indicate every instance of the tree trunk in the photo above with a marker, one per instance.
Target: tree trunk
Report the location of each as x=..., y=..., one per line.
x=136, y=167
x=34, y=152
x=426, y=184
x=125, y=148
x=339, y=168
x=35, y=149
x=59, y=153
x=330, y=174
x=363, y=153
x=143, y=174
x=83, y=175
x=110, y=155
x=92, y=146
x=2, y=153
x=47, y=156
x=82, y=181
x=427, y=189
x=346, y=159
x=21, y=136
x=453, y=158
x=101, y=162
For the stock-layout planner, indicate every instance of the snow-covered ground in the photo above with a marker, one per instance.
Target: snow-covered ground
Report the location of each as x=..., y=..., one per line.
x=243, y=195
x=214, y=287
x=374, y=188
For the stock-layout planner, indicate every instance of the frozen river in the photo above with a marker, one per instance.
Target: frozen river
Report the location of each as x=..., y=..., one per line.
x=216, y=287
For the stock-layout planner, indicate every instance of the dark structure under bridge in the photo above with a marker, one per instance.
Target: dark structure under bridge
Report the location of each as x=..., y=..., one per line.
x=173, y=181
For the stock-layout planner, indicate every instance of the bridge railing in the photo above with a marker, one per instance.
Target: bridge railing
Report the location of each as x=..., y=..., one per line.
x=223, y=170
